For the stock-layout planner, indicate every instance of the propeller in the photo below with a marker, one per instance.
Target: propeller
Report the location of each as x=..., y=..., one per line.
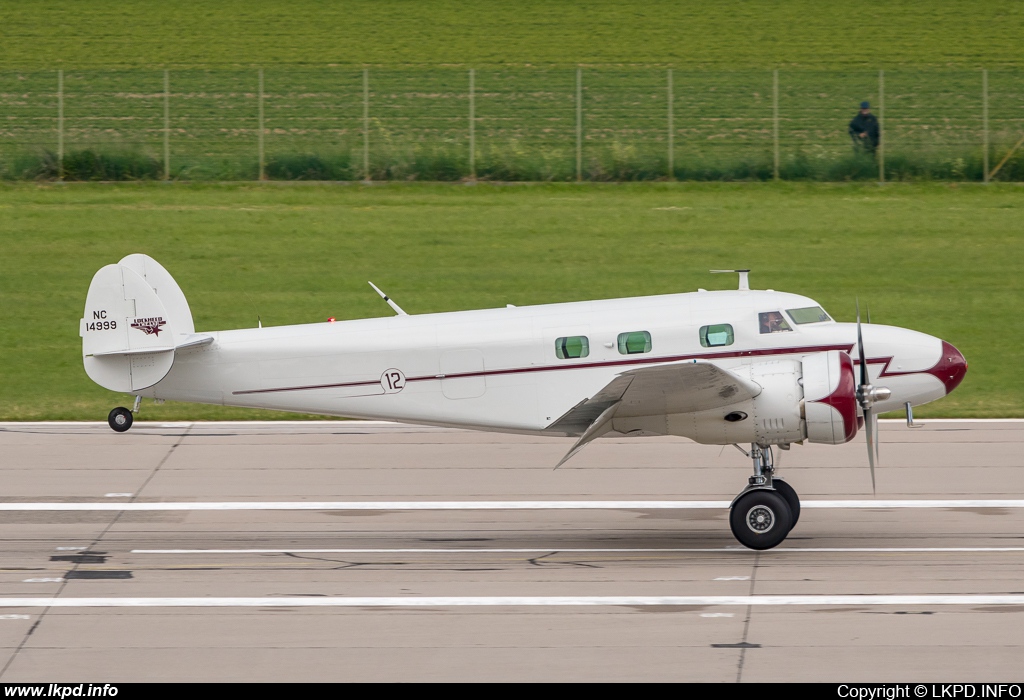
x=866, y=397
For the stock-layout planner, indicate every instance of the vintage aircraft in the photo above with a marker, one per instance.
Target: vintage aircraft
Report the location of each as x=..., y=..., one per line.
x=723, y=367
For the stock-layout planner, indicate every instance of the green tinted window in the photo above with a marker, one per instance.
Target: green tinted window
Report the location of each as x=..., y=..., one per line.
x=635, y=342
x=716, y=336
x=573, y=346
x=812, y=314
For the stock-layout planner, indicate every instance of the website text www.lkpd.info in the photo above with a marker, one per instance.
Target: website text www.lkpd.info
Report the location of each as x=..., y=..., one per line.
x=61, y=690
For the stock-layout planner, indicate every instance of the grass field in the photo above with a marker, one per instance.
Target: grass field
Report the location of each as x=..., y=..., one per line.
x=525, y=54
x=524, y=123
x=943, y=259
x=727, y=34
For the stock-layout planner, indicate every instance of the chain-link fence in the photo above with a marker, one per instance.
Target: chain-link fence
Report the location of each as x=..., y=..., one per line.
x=599, y=123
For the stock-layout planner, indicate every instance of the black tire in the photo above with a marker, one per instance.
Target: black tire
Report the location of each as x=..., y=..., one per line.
x=120, y=419
x=792, y=500
x=760, y=519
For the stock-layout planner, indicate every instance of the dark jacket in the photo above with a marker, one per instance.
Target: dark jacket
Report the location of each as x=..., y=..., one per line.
x=865, y=124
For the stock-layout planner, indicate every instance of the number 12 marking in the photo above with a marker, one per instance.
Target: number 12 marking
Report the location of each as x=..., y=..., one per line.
x=392, y=381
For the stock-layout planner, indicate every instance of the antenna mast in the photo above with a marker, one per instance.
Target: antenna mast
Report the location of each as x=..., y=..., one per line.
x=744, y=278
x=385, y=297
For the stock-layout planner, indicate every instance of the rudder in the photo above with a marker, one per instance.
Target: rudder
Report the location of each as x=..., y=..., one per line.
x=135, y=317
x=178, y=312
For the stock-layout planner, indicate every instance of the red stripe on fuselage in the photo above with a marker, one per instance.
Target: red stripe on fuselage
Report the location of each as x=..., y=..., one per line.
x=804, y=350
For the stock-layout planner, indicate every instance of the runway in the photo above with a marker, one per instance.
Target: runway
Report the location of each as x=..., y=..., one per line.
x=357, y=551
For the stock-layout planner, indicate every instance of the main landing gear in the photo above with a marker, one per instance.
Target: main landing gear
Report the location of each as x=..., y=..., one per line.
x=764, y=512
x=120, y=419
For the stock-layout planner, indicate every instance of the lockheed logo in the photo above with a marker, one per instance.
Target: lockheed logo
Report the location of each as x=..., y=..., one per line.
x=149, y=326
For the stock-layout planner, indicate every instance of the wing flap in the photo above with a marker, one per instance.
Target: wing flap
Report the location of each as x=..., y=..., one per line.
x=601, y=425
x=579, y=418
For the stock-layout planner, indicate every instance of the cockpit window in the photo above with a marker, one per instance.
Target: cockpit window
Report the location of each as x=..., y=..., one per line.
x=773, y=322
x=812, y=314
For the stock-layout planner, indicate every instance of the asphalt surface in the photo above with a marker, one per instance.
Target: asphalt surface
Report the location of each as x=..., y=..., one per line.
x=356, y=585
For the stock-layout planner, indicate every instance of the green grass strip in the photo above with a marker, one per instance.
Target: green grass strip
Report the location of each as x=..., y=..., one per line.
x=943, y=259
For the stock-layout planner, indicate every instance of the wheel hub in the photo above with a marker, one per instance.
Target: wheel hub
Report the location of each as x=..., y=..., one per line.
x=760, y=519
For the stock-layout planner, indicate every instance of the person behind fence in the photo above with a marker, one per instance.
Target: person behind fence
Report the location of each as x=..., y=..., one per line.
x=864, y=130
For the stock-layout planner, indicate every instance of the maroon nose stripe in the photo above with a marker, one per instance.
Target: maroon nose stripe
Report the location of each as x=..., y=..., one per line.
x=951, y=367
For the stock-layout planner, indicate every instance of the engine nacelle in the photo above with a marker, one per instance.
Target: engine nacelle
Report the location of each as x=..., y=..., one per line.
x=776, y=416
x=814, y=399
x=830, y=397
x=772, y=417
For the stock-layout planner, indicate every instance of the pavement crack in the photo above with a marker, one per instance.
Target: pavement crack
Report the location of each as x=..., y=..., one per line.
x=744, y=643
x=84, y=556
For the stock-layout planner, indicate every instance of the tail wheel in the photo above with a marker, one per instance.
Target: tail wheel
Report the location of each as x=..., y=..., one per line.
x=792, y=500
x=760, y=519
x=120, y=419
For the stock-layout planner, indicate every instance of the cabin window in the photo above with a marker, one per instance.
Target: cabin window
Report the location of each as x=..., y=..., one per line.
x=572, y=347
x=634, y=343
x=812, y=314
x=773, y=322
x=716, y=336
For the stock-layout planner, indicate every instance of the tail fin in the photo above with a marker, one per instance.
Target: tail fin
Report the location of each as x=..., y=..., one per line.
x=135, y=318
x=167, y=290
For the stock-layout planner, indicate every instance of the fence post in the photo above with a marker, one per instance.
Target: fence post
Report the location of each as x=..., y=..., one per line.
x=60, y=124
x=263, y=174
x=984, y=121
x=671, y=129
x=579, y=124
x=775, y=122
x=366, y=124
x=167, y=124
x=472, y=124
x=881, y=126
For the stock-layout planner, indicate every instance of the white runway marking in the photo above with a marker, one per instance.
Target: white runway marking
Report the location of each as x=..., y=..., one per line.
x=584, y=550
x=495, y=505
x=471, y=550
x=495, y=601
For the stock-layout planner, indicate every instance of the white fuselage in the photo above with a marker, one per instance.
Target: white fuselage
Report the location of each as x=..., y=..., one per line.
x=497, y=369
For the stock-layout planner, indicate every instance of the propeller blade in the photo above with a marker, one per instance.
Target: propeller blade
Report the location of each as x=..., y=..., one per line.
x=865, y=397
x=860, y=351
x=870, y=429
x=878, y=440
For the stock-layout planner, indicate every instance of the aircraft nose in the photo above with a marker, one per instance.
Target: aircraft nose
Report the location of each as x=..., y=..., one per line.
x=951, y=367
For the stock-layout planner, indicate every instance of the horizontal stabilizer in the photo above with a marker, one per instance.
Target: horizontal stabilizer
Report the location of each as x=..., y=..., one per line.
x=194, y=341
x=190, y=341
x=141, y=351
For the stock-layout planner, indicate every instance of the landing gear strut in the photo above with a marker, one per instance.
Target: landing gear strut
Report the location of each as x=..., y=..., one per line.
x=764, y=513
x=120, y=419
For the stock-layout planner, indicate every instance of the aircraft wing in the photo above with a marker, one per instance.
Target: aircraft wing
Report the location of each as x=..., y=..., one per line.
x=681, y=387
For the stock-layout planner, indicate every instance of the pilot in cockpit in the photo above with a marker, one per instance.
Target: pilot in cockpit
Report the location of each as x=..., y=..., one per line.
x=773, y=322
